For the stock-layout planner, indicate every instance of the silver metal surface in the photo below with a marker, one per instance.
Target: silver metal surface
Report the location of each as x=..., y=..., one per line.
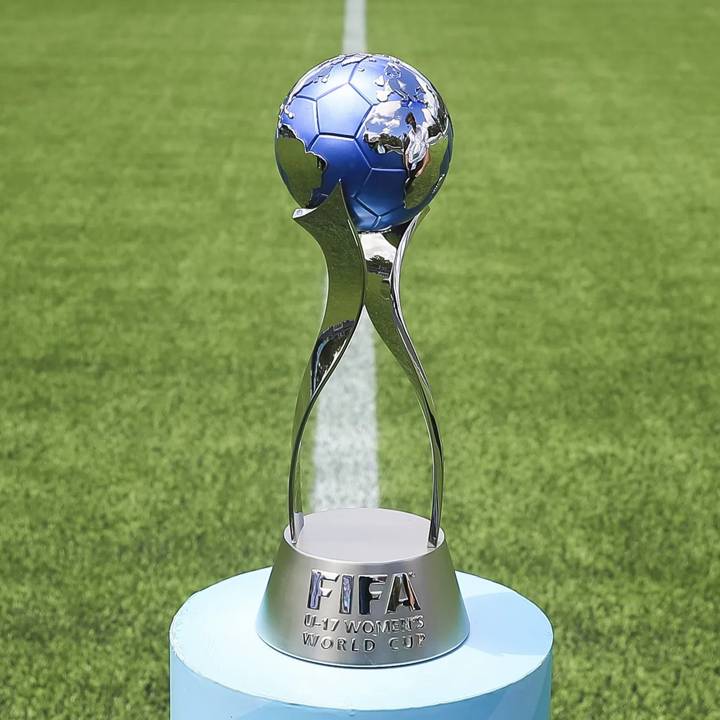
x=361, y=587
x=333, y=230
x=384, y=254
x=362, y=269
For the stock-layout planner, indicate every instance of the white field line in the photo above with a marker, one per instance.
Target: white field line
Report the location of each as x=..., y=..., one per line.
x=345, y=452
x=354, y=40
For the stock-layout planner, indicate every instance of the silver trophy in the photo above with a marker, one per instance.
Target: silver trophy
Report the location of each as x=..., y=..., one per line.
x=363, y=143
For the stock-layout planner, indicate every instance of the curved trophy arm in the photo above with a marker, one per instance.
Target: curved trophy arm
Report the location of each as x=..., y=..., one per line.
x=332, y=228
x=384, y=253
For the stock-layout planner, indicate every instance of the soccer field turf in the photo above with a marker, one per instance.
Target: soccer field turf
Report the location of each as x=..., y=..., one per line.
x=158, y=305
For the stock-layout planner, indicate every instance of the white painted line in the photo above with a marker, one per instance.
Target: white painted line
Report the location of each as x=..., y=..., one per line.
x=345, y=453
x=354, y=40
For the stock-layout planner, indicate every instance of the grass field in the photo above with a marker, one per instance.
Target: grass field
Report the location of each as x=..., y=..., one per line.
x=157, y=305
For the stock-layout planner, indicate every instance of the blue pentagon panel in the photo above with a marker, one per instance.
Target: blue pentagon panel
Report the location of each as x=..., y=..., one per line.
x=337, y=76
x=395, y=217
x=341, y=111
x=363, y=218
x=381, y=161
x=403, y=81
x=364, y=76
x=300, y=115
x=344, y=162
x=327, y=76
x=383, y=191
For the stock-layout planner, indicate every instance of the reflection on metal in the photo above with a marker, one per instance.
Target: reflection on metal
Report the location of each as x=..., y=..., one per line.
x=333, y=230
x=428, y=182
x=362, y=269
x=303, y=170
x=415, y=124
x=384, y=254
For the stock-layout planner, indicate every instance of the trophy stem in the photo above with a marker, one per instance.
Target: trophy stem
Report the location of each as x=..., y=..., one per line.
x=332, y=228
x=362, y=270
x=384, y=252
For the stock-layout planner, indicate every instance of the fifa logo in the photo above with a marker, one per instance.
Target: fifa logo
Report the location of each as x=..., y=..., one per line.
x=396, y=592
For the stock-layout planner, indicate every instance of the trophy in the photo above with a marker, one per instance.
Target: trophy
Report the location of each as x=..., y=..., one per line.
x=363, y=144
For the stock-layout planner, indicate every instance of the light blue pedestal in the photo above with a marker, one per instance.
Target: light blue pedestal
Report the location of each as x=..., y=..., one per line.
x=221, y=670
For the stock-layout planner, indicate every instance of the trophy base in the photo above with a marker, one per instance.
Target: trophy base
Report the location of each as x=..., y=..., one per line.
x=362, y=588
x=220, y=668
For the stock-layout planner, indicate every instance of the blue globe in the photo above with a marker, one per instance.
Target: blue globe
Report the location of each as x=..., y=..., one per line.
x=373, y=123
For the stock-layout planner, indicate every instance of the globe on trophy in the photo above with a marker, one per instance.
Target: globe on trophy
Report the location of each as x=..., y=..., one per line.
x=362, y=612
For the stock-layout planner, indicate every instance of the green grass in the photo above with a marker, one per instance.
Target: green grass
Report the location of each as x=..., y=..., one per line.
x=564, y=294
x=149, y=274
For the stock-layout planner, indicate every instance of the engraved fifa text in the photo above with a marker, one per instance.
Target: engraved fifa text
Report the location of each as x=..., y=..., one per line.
x=364, y=595
x=401, y=592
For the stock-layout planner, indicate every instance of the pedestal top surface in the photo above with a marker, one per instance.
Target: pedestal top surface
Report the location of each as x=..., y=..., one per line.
x=213, y=634
x=343, y=535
